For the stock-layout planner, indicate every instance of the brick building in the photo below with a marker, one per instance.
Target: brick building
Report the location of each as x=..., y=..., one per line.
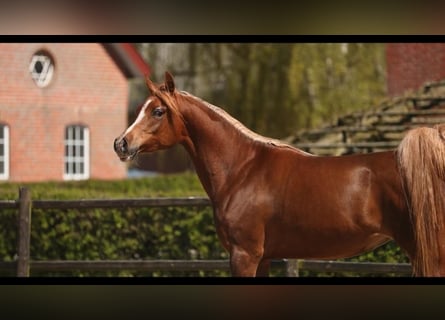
x=61, y=106
x=410, y=65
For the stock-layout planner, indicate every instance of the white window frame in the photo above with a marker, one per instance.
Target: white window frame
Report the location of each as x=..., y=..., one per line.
x=44, y=77
x=4, y=143
x=72, y=143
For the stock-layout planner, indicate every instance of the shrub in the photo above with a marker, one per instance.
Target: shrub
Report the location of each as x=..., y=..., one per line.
x=119, y=234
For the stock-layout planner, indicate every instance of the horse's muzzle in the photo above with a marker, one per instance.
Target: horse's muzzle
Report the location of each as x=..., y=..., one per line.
x=122, y=150
x=121, y=146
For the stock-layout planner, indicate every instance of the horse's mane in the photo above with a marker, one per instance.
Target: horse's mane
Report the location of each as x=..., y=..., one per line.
x=243, y=130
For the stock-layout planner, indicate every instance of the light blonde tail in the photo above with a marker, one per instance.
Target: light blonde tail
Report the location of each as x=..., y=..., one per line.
x=421, y=156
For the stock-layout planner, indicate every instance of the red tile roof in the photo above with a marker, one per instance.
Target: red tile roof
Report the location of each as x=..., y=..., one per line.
x=128, y=59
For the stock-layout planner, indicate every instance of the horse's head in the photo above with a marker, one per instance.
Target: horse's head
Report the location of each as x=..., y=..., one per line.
x=159, y=124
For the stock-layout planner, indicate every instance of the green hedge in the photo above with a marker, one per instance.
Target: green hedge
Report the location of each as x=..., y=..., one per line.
x=121, y=234
x=99, y=234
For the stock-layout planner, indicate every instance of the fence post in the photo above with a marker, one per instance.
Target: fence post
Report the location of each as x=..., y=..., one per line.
x=24, y=232
x=292, y=268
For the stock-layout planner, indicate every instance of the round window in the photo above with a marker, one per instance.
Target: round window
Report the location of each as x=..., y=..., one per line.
x=41, y=68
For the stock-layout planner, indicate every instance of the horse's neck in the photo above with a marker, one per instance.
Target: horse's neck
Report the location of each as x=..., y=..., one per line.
x=217, y=147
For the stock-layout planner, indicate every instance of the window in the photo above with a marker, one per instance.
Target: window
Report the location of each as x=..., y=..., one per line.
x=41, y=68
x=4, y=152
x=77, y=150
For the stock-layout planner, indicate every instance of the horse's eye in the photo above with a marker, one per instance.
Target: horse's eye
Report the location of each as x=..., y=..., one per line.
x=158, y=112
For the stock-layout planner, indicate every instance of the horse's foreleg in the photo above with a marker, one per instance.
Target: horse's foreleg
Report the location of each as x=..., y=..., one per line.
x=243, y=263
x=263, y=268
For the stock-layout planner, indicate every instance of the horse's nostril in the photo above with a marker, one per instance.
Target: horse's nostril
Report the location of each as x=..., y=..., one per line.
x=124, y=146
x=120, y=145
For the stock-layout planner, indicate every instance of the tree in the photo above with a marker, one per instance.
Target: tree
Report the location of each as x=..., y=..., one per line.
x=276, y=89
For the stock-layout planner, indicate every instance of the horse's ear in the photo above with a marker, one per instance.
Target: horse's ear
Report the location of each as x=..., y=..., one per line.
x=169, y=82
x=150, y=84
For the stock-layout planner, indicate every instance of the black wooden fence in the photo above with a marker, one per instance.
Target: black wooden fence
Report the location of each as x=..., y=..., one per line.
x=23, y=264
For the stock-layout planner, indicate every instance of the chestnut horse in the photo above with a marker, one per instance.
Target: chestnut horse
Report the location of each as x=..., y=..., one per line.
x=271, y=200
